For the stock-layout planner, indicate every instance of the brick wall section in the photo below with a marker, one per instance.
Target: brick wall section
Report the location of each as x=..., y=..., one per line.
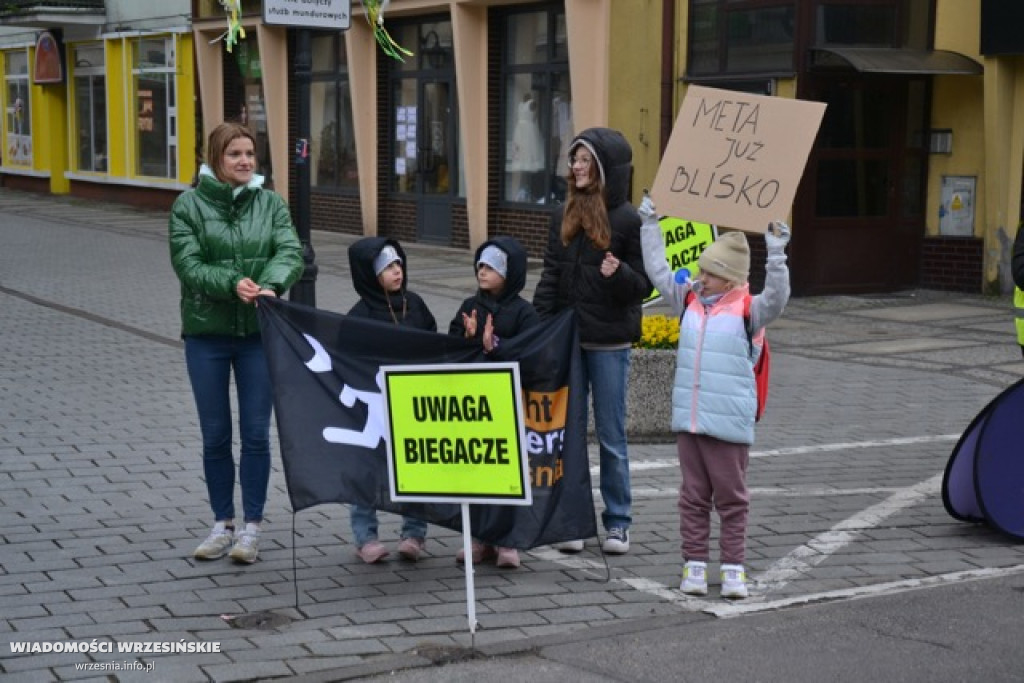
x=141, y=197
x=952, y=264
x=398, y=220
x=337, y=213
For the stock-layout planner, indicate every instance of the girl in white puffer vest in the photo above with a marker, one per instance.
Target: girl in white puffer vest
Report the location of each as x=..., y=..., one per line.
x=714, y=398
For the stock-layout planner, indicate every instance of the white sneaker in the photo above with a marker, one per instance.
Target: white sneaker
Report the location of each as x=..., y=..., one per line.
x=734, y=581
x=569, y=546
x=617, y=541
x=246, y=546
x=695, y=578
x=216, y=544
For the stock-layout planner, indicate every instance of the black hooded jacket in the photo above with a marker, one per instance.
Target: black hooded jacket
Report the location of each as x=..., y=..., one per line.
x=511, y=313
x=406, y=308
x=608, y=309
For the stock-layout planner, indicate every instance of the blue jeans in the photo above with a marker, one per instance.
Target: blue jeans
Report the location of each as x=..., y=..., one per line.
x=210, y=360
x=606, y=374
x=364, y=526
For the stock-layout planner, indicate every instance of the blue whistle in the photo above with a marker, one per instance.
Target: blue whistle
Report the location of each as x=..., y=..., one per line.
x=682, y=276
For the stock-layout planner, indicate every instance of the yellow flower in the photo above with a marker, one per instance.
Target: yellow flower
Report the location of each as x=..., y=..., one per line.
x=659, y=332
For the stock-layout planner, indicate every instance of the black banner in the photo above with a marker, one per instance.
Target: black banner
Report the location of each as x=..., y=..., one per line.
x=329, y=409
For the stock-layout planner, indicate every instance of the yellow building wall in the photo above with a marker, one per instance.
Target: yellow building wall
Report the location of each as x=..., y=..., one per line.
x=50, y=148
x=985, y=114
x=634, y=92
x=118, y=101
x=185, y=89
x=957, y=104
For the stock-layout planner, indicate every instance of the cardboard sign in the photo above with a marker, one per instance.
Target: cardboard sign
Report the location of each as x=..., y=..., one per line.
x=735, y=159
x=456, y=433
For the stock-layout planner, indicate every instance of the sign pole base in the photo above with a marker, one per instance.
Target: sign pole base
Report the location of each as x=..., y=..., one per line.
x=467, y=550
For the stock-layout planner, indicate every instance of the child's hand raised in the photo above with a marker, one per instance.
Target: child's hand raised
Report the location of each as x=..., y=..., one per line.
x=609, y=265
x=469, y=322
x=777, y=236
x=490, y=339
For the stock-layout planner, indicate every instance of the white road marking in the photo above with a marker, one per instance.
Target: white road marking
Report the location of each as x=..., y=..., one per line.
x=853, y=445
x=767, y=491
x=640, y=466
x=734, y=609
x=803, y=559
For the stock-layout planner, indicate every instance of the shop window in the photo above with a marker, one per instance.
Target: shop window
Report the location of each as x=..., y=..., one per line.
x=537, y=107
x=17, y=149
x=90, y=108
x=155, y=106
x=333, y=149
x=741, y=36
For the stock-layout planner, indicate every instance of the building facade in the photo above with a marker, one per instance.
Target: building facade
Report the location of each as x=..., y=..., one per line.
x=464, y=137
x=914, y=180
x=98, y=98
x=915, y=177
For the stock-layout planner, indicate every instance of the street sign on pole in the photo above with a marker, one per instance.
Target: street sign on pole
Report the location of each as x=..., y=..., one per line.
x=324, y=15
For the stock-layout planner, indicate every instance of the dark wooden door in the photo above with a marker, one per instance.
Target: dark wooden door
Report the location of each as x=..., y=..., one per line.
x=859, y=214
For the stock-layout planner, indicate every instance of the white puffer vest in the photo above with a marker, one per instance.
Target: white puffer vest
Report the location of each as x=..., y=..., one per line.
x=714, y=391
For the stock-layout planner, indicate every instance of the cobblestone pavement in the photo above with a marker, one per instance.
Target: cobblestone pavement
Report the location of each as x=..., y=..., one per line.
x=102, y=501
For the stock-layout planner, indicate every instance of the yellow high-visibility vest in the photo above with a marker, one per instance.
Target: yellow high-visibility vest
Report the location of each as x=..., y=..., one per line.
x=1018, y=310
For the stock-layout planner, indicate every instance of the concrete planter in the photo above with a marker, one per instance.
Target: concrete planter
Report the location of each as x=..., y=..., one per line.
x=649, y=399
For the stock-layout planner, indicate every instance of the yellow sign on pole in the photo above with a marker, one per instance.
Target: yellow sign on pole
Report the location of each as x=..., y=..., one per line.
x=684, y=242
x=456, y=433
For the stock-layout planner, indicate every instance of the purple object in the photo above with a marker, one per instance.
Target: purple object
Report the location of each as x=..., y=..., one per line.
x=984, y=478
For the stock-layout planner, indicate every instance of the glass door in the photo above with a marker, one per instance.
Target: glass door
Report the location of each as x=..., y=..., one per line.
x=425, y=151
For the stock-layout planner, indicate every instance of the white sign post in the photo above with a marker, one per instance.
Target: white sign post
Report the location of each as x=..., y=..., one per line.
x=318, y=14
x=456, y=434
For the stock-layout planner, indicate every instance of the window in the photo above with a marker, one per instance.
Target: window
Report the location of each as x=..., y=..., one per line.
x=856, y=24
x=90, y=108
x=17, y=149
x=156, y=122
x=537, y=107
x=333, y=142
x=873, y=23
x=741, y=37
x=243, y=88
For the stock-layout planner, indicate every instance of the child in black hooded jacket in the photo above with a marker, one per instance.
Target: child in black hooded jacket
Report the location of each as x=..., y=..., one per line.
x=379, y=269
x=496, y=311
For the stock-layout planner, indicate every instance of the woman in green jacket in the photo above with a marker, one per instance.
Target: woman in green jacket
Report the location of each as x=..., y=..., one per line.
x=231, y=242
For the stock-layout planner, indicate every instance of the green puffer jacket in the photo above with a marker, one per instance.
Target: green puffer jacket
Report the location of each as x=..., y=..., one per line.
x=219, y=236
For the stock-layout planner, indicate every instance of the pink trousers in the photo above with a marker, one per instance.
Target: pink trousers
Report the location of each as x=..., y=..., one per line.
x=714, y=476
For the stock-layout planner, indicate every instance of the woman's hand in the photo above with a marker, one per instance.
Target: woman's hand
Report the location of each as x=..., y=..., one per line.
x=609, y=265
x=247, y=290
